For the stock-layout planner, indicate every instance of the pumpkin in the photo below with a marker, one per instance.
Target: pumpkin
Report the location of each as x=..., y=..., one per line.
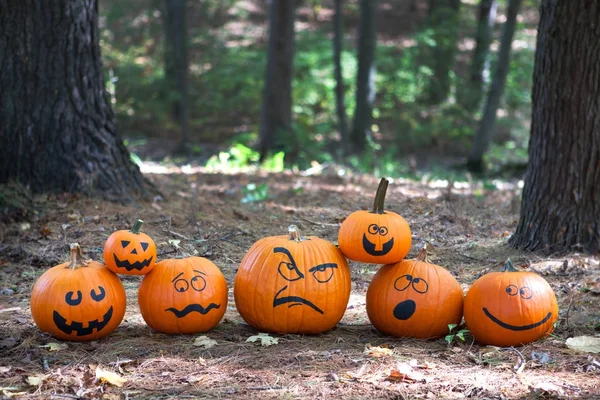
x=78, y=300
x=510, y=307
x=377, y=236
x=292, y=284
x=414, y=298
x=183, y=295
x=130, y=252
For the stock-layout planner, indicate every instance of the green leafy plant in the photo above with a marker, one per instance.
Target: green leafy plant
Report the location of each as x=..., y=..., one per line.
x=460, y=334
x=253, y=193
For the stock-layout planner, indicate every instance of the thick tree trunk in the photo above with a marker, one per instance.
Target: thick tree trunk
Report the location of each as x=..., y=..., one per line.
x=57, y=131
x=365, y=80
x=487, y=125
x=176, y=65
x=276, y=113
x=338, y=36
x=560, y=209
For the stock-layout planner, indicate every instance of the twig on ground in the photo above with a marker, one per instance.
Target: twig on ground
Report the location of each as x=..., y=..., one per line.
x=317, y=223
x=179, y=235
x=9, y=309
x=521, y=364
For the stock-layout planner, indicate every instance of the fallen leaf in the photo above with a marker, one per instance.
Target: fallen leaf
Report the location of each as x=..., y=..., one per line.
x=377, y=351
x=404, y=373
x=174, y=242
x=588, y=344
x=53, y=346
x=265, y=339
x=4, y=370
x=35, y=380
x=109, y=377
x=545, y=388
x=205, y=341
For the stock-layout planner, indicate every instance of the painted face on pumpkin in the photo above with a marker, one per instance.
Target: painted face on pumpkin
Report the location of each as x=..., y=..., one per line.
x=197, y=283
x=289, y=270
x=80, y=299
x=406, y=308
x=524, y=293
x=131, y=255
x=379, y=247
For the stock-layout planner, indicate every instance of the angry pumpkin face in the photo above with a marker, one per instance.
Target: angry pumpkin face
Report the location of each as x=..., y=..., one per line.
x=130, y=252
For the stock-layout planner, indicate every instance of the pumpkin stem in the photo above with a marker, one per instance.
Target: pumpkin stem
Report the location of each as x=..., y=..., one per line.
x=295, y=234
x=508, y=266
x=76, y=255
x=380, y=196
x=422, y=256
x=137, y=226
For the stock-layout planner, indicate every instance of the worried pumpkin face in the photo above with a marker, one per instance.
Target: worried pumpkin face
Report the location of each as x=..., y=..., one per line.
x=130, y=252
x=187, y=295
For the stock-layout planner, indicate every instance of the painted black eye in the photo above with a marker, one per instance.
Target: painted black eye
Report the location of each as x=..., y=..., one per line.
x=403, y=282
x=144, y=245
x=73, y=301
x=99, y=296
x=526, y=293
x=289, y=271
x=323, y=272
x=512, y=290
x=373, y=229
x=125, y=243
x=383, y=231
x=181, y=285
x=198, y=283
x=420, y=285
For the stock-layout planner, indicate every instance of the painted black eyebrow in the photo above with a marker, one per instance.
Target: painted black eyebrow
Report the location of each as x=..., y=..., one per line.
x=286, y=252
x=200, y=272
x=322, y=266
x=177, y=277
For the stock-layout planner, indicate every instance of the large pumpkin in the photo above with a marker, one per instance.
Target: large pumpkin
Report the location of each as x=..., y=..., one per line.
x=377, y=236
x=183, y=295
x=510, y=307
x=78, y=300
x=292, y=284
x=414, y=298
x=130, y=252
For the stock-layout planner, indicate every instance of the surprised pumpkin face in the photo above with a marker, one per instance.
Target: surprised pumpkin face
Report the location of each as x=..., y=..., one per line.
x=130, y=252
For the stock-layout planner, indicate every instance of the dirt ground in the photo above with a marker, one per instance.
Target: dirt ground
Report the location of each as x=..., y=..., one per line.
x=467, y=227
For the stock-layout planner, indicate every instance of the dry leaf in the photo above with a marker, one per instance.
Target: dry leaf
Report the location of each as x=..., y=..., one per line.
x=404, y=373
x=205, y=341
x=109, y=377
x=265, y=339
x=377, y=351
x=588, y=344
x=35, y=380
x=54, y=346
x=4, y=370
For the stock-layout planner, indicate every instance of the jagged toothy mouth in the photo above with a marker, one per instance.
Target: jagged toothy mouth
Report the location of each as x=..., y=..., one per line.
x=138, y=265
x=61, y=323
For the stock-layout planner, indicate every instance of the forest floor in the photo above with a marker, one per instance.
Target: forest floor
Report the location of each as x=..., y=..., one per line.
x=467, y=228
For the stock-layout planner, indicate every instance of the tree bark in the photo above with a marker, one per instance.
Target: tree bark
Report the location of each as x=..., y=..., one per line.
x=177, y=65
x=276, y=113
x=487, y=125
x=560, y=210
x=338, y=36
x=365, y=80
x=57, y=131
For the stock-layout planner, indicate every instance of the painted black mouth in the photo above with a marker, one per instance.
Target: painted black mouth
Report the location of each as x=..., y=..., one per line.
x=514, y=327
x=370, y=247
x=295, y=300
x=193, y=308
x=138, y=265
x=405, y=309
x=61, y=323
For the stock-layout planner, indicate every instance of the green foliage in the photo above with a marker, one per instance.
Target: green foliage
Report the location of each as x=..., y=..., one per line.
x=239, y=156
x=253, y=193
x=460, y=334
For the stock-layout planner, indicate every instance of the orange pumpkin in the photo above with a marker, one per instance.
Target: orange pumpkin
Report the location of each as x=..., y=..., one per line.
x=78, y=300
x=510, y=307
x=377, y=236
x=130, y=252
x=292, y=284
x=185, y=295
x=414, y=298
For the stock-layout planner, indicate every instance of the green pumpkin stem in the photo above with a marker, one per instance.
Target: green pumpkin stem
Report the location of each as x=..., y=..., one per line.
x=295, y=234
x=422, y=255
x=380, y=196
x=137, y=226
x=76, y=255
x=508, y=266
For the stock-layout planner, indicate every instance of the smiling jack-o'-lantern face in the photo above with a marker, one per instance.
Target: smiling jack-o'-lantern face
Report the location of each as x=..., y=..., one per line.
x=291, y=284
x=130, y=252
x=510, y=308
x=80, y=300
x=187, y=295
x=414, y=298
x=377, y=236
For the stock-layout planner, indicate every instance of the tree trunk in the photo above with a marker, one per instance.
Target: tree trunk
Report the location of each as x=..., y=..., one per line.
x=473, y=90
x=365, y=80
x=338, y=36
x=276, y=113
x=57, y=131
x=439, y=57
x=560, y=210
x=487, y=125
x=176, y=65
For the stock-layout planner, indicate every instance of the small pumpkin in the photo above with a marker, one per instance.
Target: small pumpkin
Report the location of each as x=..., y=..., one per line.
x=130, y=252
x=510, y=307
x=78, y=300
x=414, y=298
x=377, y=236
x=292, y=284
x=183, y=295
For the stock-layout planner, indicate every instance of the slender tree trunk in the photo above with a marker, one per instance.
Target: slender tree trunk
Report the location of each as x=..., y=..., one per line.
x=560, y=210
x=338, y=36
x=487, y=125
x=365, y=80
x=57, y=131
x=177, y=65
x=276, y=113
